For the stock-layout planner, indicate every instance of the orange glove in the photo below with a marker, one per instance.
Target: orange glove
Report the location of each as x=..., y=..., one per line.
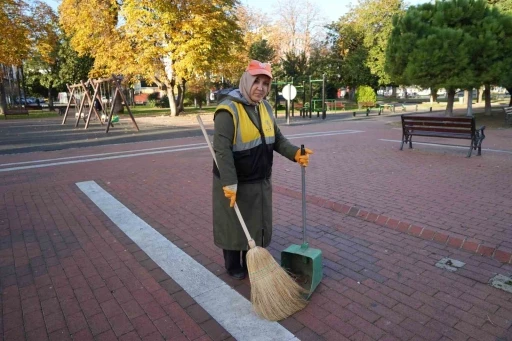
x=303, y=160
x=230, y=193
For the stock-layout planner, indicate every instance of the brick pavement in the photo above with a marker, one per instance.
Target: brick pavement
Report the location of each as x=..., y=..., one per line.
x=67, y=272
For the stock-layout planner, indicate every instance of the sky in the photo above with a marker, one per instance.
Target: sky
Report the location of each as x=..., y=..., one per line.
x=331, y=10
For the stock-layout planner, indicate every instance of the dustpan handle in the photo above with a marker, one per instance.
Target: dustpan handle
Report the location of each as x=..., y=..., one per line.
x=303, y=173
x=252, y=244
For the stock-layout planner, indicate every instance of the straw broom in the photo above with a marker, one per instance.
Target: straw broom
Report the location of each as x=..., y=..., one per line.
x=274, y=294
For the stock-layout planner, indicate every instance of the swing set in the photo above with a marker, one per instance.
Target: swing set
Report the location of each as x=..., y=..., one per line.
x=101, y=101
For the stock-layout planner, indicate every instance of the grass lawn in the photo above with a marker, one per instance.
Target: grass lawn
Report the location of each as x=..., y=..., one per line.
x=496, y=120
x=137, y=111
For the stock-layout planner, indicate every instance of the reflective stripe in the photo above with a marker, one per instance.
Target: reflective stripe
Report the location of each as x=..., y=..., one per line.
x=230, y=107
x=247, y=136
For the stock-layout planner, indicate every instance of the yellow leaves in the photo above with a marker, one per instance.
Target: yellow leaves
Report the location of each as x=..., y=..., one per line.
x=14, y=36
x=148, y=38
x=27, y=29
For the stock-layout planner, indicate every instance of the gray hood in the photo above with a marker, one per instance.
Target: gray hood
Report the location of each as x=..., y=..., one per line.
x=236, y=95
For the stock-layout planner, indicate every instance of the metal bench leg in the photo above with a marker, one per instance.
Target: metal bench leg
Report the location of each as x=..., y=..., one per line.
x=481, y=137
x=478, y=146
x=470, y=150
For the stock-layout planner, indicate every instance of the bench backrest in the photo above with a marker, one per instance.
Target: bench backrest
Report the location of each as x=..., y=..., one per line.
x=455, y=125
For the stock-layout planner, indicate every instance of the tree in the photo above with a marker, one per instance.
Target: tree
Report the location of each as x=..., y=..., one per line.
x=347, y=46
x=450, y=44
x=72, y=67
x=162, y=41
x=373, y=21
x=294, y=66
x=504, y=6
x=28, y=29
x=260, y=50
x=300, y=26
x=66, y=68
x=15, y=36
x=14, y=40
x=43, y=65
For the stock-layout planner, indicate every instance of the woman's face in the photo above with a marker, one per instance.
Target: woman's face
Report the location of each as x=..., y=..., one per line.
x=260, y=88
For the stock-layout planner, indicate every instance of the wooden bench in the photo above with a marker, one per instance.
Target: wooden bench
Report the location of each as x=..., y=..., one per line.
x=384, y=106
x=334, y=105
x=15, y=111
x=59, y=110
x=405, y=105
x=508, y=115
x=393, y=106
x=367, y=105
x=447, y=127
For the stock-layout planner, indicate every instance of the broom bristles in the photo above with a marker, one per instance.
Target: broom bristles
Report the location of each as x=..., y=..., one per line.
x=274, y=294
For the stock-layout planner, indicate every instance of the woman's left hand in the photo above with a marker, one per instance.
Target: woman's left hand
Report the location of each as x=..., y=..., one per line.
x=303, y=160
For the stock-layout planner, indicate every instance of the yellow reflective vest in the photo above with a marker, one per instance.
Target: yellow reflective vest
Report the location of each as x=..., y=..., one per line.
x=253, y=142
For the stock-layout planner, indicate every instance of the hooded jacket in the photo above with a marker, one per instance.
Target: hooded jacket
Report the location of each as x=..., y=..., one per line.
x=253, y=140
x=248, y=165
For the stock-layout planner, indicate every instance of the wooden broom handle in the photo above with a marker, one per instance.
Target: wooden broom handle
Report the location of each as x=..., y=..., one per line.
x=252, y=244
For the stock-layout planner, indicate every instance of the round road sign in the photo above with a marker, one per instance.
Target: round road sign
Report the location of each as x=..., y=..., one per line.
x=289, y=92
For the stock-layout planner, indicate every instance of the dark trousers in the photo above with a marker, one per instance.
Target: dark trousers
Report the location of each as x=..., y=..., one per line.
x=235, y=260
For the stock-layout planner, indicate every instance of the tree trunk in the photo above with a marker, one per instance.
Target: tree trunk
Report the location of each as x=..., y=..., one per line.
x=433, y=95
x=352, y=93
x=393, y=91
x=487, y=97
x=466, y=96
x=179, y=100
x=469, y=113
x=50, y=98
x=132, y=97
x=481, y=94
x=510, y=92
x=182, y=95
x=449, y=105
x=21, y=101
x=3, y=100
x=172, y=101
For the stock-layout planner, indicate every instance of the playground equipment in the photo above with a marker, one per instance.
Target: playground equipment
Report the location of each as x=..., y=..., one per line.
x=77, y=98
x=313, y=104
x=320, y=105
x=100, y=101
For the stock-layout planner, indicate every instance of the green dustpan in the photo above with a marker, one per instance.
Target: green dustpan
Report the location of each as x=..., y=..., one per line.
x=303, y=262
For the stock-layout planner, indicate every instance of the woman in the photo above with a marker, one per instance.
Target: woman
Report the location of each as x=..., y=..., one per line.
x=245, y=136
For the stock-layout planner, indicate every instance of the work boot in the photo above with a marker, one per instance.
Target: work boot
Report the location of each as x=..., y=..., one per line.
x=233, y=264
x=237, y=274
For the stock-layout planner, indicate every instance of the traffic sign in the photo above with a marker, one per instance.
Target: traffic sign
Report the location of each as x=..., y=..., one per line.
x=289, y=92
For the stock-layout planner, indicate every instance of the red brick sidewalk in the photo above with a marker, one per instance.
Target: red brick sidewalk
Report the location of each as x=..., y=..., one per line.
x=67, y=272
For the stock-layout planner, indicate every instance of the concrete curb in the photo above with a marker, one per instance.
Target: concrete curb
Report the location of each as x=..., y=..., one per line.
x=403, y=226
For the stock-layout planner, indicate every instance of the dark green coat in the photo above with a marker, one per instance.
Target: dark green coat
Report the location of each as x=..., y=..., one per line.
x=253, y=199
